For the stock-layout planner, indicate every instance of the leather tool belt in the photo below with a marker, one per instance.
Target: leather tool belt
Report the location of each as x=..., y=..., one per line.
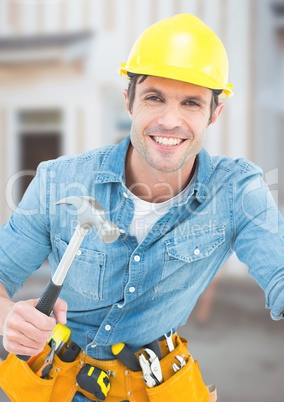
x=20, y=382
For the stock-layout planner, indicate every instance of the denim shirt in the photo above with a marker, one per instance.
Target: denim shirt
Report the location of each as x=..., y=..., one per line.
x=130, y=292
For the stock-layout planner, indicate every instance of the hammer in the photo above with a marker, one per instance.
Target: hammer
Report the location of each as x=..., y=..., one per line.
x=89, y=213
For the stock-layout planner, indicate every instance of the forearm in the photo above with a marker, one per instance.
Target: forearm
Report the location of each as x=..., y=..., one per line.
x=6, y=304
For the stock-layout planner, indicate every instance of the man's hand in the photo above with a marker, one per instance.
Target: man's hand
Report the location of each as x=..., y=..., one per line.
x=26, y=330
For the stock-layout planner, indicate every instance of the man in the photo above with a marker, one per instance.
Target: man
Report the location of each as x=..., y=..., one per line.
x=181, y=214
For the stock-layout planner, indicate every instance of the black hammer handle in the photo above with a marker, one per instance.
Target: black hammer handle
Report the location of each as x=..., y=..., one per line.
x=48, y=298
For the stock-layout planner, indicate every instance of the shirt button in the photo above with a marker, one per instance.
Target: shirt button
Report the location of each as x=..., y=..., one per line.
x=197, y=251
x=107, y=327
x=125, y=195
x=122, y=231
x=137, y=258
x=79, y=252
x=132, y=289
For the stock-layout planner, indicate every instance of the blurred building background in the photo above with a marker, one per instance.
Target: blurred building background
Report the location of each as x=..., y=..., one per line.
x=60, y=92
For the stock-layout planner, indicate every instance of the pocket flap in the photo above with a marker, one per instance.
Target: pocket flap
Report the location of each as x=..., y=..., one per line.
x=196, y=245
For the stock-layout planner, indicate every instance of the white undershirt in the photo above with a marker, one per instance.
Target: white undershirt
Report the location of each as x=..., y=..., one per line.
x=146, y=213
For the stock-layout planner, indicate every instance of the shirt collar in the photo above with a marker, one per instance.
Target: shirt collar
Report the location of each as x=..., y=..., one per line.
x=205, y=169
x=113, y=168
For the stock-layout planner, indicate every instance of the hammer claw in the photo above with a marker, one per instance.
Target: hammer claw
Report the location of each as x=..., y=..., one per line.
x=90, y=213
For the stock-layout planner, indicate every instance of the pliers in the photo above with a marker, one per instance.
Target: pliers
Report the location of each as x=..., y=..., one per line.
x=182, y=362
x=45, y=369
x=151, y=368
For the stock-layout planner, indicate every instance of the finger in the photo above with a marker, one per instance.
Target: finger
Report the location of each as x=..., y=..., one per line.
x=60, y=311
x=17, y=343
x=26, y=311
x=25, y=339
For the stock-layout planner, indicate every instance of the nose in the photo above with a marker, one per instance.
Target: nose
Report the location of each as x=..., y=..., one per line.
x=169, y=117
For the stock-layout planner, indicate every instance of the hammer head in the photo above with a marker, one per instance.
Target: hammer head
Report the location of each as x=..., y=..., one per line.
x=90, y=213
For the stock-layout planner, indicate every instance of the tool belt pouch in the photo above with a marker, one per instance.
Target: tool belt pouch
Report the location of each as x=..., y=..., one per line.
x=20, y=382
x=184, y=385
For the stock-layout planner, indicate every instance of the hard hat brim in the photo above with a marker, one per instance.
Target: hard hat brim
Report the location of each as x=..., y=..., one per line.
x=179, y=74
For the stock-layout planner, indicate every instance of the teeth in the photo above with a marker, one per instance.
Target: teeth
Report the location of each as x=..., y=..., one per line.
x=167, y=141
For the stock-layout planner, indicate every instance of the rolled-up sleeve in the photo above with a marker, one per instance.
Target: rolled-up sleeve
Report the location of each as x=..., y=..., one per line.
x=24, y=239
x=259, y=239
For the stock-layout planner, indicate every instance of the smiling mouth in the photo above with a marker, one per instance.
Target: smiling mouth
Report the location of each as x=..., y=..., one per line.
x=168, y=142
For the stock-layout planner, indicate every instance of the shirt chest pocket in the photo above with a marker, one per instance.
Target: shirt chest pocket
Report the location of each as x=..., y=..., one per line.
x=86, y=274
x=192, y=248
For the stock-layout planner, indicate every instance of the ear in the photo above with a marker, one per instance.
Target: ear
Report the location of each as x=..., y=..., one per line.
x=126, y=100
x=217, y=112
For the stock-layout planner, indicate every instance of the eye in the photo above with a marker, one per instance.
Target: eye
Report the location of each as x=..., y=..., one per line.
x=191, y=103
x=154, y=98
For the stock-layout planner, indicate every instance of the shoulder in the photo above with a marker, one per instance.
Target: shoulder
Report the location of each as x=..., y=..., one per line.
x=237, y=168
x=92, y=157
x=219, y=170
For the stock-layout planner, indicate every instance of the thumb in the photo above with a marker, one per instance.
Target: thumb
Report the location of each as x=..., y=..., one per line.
x=60, y=311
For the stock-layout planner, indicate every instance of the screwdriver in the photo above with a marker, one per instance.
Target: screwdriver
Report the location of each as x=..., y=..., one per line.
x=126, y=356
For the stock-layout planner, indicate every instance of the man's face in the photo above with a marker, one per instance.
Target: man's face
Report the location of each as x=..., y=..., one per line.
x=169, y=122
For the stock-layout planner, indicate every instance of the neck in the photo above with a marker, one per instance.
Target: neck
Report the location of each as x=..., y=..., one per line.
x=152, y=185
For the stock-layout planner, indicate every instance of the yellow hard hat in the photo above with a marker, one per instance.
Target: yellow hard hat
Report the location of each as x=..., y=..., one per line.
x=182, y=48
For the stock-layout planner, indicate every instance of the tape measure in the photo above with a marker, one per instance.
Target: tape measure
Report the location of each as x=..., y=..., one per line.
x=60, y=336
x=94, y=380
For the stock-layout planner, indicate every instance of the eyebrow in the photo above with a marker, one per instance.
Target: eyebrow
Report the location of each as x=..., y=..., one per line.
x=194, y=98
x=151, y=89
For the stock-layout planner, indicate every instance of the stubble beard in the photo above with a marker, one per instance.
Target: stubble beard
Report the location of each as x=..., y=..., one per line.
x=166, y=166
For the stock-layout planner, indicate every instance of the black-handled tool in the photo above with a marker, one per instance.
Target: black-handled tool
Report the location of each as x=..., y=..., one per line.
x=90, y=214
x=50, y=294
x=126, y=356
